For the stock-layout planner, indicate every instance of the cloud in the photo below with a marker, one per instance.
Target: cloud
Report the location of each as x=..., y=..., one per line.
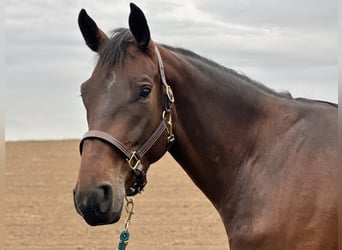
x=285, y=44
x=274, y=14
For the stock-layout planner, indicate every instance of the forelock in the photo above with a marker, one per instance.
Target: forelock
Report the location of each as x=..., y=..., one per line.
x=115, y=49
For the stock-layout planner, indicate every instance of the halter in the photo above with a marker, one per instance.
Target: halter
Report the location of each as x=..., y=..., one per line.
x=133, y=157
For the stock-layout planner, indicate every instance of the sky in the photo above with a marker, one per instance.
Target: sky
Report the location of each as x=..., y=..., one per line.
x=286, y=45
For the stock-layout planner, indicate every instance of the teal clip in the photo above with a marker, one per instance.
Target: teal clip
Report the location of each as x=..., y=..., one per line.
x=124, y=237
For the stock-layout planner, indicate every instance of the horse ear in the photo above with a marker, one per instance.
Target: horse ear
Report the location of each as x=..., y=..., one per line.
x=94, y=37
x=138, y=26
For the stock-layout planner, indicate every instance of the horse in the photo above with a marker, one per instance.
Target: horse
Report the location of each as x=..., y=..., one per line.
x=265, y=160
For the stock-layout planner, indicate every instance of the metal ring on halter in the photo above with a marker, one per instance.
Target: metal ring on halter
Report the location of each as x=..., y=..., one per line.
x=169, y=94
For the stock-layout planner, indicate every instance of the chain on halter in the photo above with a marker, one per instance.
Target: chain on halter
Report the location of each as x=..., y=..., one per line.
x=124, y=235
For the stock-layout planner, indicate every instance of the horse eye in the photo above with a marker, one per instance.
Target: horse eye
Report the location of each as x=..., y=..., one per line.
x=145, y=91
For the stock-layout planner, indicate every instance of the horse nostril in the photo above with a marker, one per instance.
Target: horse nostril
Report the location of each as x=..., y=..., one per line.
x=106, y=197
x=95, y=204
x=107, y=191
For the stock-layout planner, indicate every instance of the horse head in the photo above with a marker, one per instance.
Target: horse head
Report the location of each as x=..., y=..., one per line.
x=128, y=112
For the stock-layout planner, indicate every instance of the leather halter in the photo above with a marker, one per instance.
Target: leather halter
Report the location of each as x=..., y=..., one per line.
x=133, y=157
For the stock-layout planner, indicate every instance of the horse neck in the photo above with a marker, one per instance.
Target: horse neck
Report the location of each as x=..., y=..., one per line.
x=216, y=116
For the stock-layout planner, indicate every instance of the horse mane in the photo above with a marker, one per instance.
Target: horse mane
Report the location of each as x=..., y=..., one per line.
x=316, y=101
x=115, y=50
x=230, y=71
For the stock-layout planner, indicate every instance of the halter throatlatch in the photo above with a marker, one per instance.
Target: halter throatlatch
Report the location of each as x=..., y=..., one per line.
x=133, y=157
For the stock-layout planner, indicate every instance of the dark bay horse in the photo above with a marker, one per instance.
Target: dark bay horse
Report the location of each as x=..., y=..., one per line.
x=266, y=161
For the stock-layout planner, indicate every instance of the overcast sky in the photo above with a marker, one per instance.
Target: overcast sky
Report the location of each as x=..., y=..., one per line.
x=287, y=45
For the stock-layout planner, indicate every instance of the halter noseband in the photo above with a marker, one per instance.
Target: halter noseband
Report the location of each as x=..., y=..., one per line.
x=133, y=157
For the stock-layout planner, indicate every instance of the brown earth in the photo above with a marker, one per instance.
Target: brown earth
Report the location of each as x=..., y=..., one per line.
x=39, y=214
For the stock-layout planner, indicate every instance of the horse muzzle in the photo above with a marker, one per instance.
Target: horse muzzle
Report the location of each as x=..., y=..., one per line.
x=96, y=205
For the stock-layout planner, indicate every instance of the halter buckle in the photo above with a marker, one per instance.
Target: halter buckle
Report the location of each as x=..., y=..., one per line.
x=134, y=161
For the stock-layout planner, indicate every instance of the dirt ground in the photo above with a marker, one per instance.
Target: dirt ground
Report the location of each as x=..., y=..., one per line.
x=39, y=214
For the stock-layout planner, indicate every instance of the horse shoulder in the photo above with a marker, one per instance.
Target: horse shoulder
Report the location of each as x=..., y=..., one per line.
x=288, y=190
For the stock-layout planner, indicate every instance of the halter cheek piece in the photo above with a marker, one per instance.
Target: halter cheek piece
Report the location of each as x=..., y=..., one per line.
x=133, y=157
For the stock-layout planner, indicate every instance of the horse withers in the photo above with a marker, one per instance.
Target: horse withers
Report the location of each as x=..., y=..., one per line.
x=265, y=160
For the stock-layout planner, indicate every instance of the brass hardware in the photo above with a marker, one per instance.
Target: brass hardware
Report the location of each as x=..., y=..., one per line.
x=133, y=161
x=129, y=210
x=169, y=94
x=168, y=118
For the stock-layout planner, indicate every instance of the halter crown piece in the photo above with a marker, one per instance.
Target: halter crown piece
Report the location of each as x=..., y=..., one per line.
x=133, y=157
